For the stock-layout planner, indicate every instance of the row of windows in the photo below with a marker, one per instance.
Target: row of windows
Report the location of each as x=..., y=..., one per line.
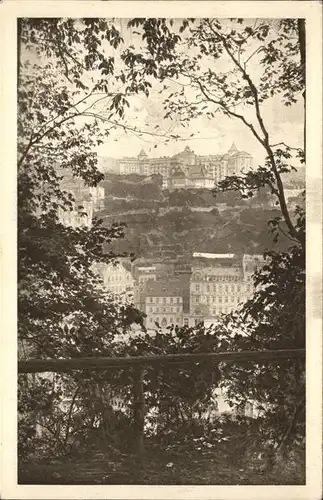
x=209, y=300
x=221, y=278
x=164, y=300
x=219, y=310
x=118, y=278
x=157, y=310
x=118, y=289
x=216, y=288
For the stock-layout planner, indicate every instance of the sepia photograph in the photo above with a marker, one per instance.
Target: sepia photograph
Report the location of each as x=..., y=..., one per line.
x=161, y=270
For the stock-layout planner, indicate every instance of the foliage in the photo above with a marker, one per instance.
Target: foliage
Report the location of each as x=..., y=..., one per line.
x=124, y=188
x=229, y=452
x=275, y=48
x=63, y=309
x=271, y=320
x=175, y=396
x=218, y=67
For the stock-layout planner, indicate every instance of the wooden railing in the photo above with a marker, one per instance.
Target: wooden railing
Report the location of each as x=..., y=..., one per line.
x=138, y=364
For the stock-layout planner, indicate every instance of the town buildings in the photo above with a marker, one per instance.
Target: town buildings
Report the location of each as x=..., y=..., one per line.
x=87, y=200
x=118, y=280
x=164, y=303
x=219, y=283
x=188, y=292
x=185, y=169
x=184, y=292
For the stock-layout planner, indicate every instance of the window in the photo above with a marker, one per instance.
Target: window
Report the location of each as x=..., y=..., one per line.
x=151, y=299
x=185, y=321
x=171, y=300
x=197, y=288
x=164, y=300
x=157, y=300
x=164, y=322
x=178, y=300
x=220, y=299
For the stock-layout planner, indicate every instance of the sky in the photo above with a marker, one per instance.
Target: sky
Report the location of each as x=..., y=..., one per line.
x=203, y=136
x=208, y=136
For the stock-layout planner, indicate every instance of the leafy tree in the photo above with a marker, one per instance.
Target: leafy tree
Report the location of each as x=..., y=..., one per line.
x=276, y=48
x=58, y=135
x=63, y=308
x=176, y=398
x=271, y=320
x=59, y=126
x=235, y=67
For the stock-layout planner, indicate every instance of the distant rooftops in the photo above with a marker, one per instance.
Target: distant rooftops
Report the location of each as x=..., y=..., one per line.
x=241, y=154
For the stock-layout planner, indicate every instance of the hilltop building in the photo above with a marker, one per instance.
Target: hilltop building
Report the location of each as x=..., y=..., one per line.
x=185, y=169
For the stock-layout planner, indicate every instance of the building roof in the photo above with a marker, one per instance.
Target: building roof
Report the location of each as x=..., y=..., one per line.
x=241, y=154
x=213, y=255
x=166, y=288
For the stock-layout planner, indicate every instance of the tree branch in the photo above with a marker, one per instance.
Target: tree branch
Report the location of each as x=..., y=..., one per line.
x=265, y=140
x=70, y=416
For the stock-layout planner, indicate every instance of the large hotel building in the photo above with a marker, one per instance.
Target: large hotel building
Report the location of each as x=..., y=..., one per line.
x=185, y=169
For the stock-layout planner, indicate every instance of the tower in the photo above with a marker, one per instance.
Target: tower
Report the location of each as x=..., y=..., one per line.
x=233, y=149
x=142, y=155
x=143, y=166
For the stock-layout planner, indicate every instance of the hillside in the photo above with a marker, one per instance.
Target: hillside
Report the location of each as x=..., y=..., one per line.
x=193, y=219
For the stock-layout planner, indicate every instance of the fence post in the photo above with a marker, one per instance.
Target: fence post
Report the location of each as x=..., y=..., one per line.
x=139, y=408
